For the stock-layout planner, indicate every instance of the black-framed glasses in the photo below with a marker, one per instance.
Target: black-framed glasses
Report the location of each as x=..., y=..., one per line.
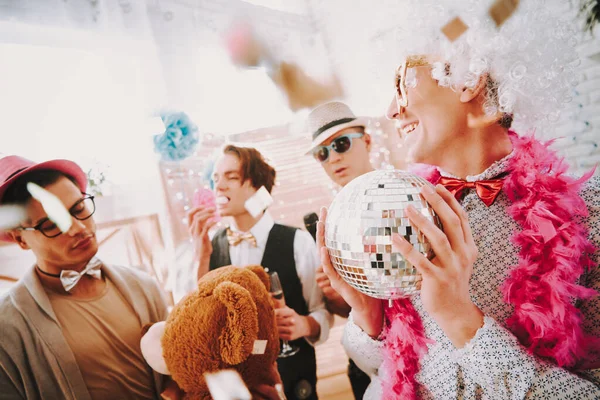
x=83, y=209
x=340, y=145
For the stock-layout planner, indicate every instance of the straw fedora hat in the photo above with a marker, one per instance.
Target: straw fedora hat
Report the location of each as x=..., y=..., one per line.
x=328, y=119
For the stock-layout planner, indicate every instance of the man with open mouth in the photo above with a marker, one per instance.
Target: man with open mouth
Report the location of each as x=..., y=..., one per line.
x=240, y=174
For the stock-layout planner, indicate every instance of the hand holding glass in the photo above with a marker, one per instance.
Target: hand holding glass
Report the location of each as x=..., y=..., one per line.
x=287, y=350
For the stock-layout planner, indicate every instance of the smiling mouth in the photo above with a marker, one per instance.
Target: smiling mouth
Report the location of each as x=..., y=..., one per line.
x=340, y=170
x=408, y=128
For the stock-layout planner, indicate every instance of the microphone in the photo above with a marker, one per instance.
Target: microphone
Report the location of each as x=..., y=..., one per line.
x=310, y=222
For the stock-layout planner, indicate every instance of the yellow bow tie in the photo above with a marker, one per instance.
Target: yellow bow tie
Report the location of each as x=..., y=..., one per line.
x=236, y=238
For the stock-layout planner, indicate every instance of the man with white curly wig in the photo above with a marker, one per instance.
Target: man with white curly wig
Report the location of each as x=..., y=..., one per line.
x=508, y=308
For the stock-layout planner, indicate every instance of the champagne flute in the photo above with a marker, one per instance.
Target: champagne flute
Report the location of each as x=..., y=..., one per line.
x=287, y=350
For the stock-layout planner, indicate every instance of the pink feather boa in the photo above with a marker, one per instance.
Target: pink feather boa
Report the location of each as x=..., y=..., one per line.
x=554, y=253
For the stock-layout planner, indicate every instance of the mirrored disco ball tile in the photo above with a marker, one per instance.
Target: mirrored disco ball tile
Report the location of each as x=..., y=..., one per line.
x=359, y=228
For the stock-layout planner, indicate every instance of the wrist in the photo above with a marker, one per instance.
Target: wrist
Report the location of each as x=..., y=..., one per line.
x=312, y=328
x=337, y=305
x=338, y=308
x=370, y=321
x=203, y=267
x=205, y=256
x=461, y=326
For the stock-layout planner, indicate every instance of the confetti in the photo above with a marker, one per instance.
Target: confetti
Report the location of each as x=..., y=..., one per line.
x=54, y=208
x=243, y=45
x=454, y=29
x=501, y=10
x=11, y=217
x=258, y=202
x=302, y=90
x=259, y=346
x=227, y=385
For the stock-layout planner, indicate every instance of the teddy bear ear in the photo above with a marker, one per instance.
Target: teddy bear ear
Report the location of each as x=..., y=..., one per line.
x=241, y=328
x=151, y=346
x=262, y=275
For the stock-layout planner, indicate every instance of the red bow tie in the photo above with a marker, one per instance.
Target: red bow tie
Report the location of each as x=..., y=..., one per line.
x=486, y=190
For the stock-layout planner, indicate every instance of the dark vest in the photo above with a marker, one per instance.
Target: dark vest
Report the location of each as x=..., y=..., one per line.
x=298, y=372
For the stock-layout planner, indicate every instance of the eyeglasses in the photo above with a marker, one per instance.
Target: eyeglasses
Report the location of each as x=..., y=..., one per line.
x=82, y=210
x=340, y=145
x=400, y=78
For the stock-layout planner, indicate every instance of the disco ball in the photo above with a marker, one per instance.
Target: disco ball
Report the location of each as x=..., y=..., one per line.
x=358, y=233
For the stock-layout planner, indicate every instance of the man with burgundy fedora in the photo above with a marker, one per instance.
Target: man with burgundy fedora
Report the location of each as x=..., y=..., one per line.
x=71, y=327
x=341, y=145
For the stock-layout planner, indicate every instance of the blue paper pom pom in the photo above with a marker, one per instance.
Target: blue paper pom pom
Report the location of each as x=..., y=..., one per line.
x=179, y=139
x=207, y=173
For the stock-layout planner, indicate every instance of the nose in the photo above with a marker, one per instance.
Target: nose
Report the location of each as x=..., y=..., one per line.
x=220, y=186
x=394, y=111
x=334, y=157
x=76, y=227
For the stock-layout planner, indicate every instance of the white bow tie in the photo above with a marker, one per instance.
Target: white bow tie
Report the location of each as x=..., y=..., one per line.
x=69, y=278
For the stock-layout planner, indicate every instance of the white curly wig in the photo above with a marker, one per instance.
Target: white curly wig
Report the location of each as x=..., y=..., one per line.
x=531, y=58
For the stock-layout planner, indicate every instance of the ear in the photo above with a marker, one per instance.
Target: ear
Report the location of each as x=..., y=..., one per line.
x=241, y=328
x=151, y=346
x=469, y=94
x=262, y=275
x=367, y=139
x=18, y=238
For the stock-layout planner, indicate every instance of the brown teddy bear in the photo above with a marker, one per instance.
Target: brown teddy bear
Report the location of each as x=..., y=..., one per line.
x=228, y=323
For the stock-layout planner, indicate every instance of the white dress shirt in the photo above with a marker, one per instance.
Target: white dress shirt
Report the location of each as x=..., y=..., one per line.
x=307, y=261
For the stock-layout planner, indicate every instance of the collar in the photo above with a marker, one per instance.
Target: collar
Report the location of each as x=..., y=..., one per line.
x=260, y=230
x=497, y=168
x=34, y=286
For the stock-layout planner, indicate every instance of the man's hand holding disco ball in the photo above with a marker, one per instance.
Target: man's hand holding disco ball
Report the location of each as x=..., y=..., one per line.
x=444, y=287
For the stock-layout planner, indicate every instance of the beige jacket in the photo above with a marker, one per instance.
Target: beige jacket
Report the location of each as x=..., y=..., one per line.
x=35, y=360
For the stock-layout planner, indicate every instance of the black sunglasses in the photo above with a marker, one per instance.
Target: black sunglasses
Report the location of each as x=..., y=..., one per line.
x=83, y=209
x=340, y=145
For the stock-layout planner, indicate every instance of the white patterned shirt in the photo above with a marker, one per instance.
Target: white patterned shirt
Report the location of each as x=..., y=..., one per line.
x=493, y=365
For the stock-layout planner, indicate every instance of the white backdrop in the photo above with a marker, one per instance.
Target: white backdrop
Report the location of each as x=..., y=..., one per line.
x=80, y=79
